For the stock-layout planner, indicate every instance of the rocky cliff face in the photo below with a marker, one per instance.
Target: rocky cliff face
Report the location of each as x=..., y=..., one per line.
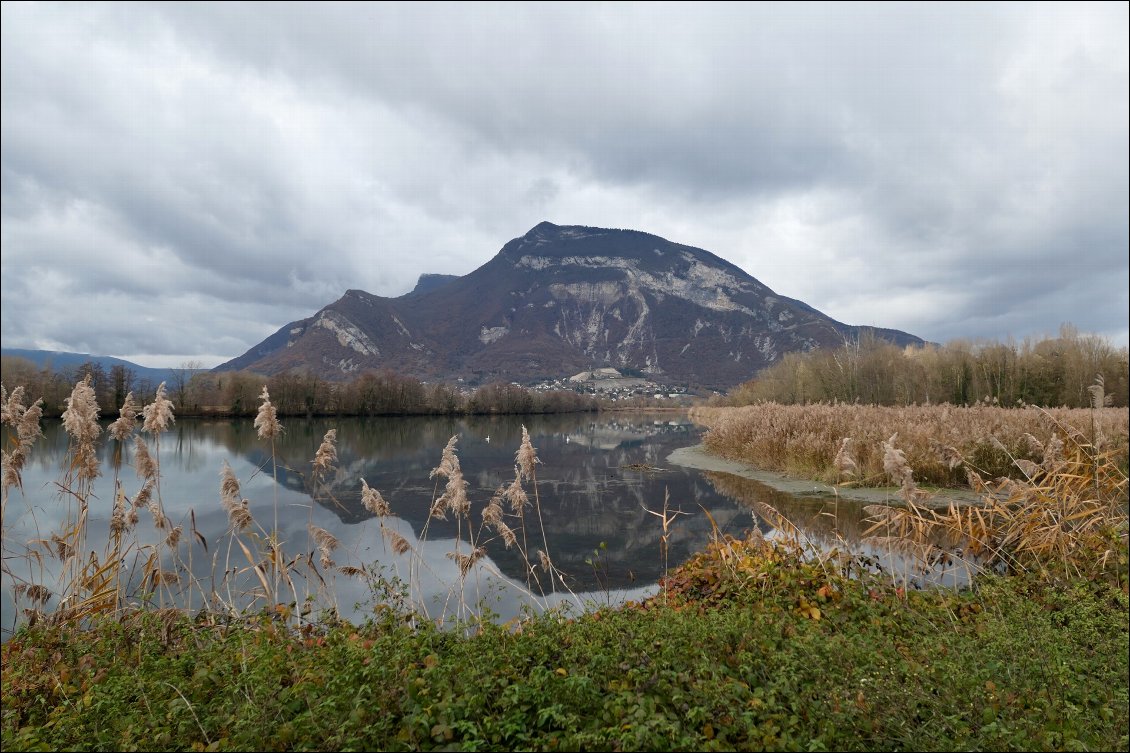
x=559, y=300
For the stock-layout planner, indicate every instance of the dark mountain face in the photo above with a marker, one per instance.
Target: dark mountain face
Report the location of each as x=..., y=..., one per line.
x=429, y=282
x=559, y=300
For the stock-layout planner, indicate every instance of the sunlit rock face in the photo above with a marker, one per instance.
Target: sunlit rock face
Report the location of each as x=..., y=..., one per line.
x=558, y=300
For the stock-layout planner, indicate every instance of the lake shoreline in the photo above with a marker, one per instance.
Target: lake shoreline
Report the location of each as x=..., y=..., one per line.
x=700, y=458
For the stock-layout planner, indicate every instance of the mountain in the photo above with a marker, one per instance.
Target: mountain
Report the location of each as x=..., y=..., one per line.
x=64, y=361
x=429, y=282
x=559, y=300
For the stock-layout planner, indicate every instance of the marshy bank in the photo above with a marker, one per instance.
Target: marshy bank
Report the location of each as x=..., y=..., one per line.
x=699, y=457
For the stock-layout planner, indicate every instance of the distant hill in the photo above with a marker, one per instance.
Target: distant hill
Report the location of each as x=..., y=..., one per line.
x=560, y=300
x=64, y=361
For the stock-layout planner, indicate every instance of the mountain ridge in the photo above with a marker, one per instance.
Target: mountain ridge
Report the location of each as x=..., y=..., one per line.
x=61, y=359
x=558, y=300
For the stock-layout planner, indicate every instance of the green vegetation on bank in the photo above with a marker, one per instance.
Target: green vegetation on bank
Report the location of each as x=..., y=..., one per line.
x=747, y=648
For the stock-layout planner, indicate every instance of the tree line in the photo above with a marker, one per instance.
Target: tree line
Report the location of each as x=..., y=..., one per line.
x=236, y=393
x=1051, y=372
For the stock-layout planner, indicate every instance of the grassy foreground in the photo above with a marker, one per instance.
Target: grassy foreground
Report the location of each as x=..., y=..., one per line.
x=747, y=648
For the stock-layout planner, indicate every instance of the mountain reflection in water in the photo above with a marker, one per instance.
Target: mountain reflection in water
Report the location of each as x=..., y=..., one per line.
x=595, y=479
x=598, y=477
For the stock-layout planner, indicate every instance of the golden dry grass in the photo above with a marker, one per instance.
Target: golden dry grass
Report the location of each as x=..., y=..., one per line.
x=806, y=440
x=1057, y=505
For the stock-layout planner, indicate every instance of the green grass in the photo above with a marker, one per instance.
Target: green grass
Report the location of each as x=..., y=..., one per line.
x=751, y=649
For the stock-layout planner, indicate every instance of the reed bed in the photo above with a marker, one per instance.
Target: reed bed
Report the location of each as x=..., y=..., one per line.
x=843, y=443
x=1065, y=518
x=1051, y=484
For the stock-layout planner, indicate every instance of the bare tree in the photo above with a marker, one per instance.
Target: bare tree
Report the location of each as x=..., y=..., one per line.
x=121, y=380
x=181, y=381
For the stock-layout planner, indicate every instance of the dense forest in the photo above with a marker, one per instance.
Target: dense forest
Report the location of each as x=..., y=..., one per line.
x=374, y=393
x=1053, y=372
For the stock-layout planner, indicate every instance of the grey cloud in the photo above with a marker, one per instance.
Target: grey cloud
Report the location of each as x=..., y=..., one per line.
x=960, y=169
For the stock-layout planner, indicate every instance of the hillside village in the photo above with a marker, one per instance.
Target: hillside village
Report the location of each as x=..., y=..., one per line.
x=610, y=384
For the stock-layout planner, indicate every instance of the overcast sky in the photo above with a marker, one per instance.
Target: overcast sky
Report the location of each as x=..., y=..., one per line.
x=181, y=180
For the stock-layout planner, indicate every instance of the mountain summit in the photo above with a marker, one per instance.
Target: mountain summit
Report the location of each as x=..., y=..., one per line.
x=558, y=300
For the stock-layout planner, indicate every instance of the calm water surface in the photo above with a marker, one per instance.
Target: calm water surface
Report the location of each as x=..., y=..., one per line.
x=598, y=477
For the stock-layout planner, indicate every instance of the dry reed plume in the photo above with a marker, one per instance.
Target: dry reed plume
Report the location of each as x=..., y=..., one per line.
x=126, y=424
x=25, y=421
x=89, y=584
x=326, y=456
x=80, y=420
x=372, y=500
x=266, y=420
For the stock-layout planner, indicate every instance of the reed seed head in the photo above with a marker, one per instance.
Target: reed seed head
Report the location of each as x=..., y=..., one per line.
x=26, y=422
x=324, y=540
x=232, y=500
x=492, y=513
x=80, y=419
x=449, y=461
x=399, y=544
x=515, y=494
x=158, y=514
x=894, y=461
x=844, y=463
x=326, y=456
x=159, y=413
x=507, y=534
x=466, y=561
x=37, y=593
x=266, y=421
x=13, y=463
x=229, y=485
x=144, y=494
x=454, y=495
x=143, y=461
x=27, y=427
x=7, y=415
x=127, y=419
x=372, y=500
x=119, y=518
x=951, y=456
x=526, y=456
x=1053, y=452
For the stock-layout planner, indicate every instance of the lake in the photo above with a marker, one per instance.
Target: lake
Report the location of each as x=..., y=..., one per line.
x=599, y=476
